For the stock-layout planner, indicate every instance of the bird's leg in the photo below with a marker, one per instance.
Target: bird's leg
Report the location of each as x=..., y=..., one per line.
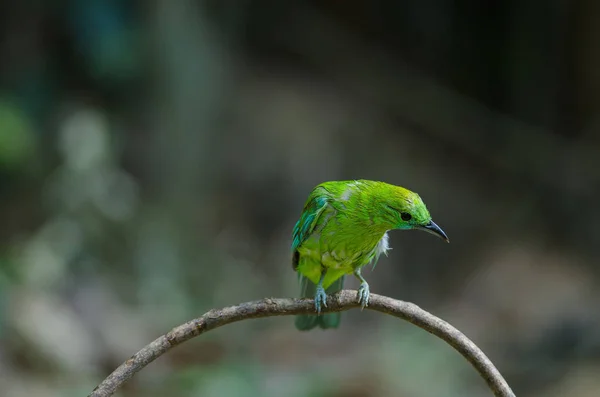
x=363, y=291
x=320, y=295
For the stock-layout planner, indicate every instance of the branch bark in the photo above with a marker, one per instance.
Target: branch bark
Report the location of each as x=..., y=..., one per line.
x=268, y=307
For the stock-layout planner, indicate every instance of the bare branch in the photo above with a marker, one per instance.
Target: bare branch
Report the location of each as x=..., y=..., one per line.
x=268, y=307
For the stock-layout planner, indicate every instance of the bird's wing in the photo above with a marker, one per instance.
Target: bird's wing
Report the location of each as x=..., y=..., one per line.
x=314, y=207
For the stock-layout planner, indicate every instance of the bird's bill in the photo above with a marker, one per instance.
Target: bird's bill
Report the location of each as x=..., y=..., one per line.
x=434, y=229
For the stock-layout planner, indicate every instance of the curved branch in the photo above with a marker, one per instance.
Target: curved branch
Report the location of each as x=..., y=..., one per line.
x=268, y=307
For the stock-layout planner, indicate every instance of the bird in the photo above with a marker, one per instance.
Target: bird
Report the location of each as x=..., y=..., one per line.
x=344, y=226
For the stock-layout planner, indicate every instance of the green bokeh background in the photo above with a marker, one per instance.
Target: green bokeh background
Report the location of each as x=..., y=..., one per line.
x=154, y=157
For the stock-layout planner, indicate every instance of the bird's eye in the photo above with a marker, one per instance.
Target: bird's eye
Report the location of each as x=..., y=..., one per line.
x=406, y=216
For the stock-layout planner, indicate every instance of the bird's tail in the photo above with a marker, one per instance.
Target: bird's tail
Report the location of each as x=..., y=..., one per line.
x=305, y=322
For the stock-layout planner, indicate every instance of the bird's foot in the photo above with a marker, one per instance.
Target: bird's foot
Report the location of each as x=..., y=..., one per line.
x=363, y=295
x=320, y=299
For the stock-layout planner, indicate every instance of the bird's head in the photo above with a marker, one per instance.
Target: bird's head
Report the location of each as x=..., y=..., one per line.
x=406, y=210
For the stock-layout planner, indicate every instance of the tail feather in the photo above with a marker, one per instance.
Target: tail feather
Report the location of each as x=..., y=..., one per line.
x=305, y=322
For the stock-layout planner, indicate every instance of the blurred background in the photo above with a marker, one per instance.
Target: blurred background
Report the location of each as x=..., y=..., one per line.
x=154, y=157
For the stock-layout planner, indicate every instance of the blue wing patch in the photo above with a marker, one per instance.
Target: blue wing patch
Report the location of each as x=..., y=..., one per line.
x=313, y=208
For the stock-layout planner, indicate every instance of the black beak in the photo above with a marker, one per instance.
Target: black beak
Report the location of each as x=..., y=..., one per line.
x=434, y=229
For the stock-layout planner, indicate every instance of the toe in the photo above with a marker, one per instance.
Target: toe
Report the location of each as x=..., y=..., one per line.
x=363, y=296
x=320, y=299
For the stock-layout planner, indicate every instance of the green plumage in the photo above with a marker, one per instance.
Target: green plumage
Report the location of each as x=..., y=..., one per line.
x=343, y=227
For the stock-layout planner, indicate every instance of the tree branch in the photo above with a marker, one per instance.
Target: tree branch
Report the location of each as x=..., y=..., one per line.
x=268, y=307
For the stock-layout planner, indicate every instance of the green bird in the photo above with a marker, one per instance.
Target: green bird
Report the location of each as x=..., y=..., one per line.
x=343, y=227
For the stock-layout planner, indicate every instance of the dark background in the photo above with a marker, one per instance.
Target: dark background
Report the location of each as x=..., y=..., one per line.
x=154, y=156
